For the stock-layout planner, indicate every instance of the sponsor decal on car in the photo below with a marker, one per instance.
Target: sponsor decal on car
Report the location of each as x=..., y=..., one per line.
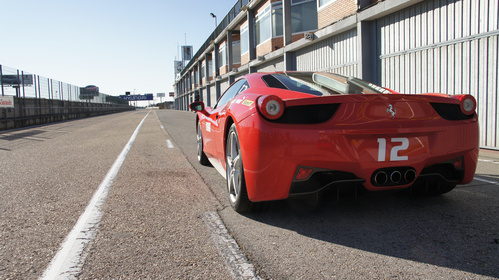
x=248, y=102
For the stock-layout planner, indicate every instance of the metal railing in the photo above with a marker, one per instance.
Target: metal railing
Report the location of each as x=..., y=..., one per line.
x=22, y=84
x=231, y=15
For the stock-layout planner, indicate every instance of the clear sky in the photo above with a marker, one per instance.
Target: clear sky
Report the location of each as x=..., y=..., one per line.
x=118, y=45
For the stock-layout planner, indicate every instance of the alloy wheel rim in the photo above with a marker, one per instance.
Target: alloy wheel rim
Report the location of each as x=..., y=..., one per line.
x=233, y=160
x=199, y=143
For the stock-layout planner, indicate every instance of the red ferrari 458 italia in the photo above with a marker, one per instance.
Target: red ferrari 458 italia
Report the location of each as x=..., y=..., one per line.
x=276, y=135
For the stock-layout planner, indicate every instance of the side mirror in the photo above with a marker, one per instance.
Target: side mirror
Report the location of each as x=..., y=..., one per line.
x=198, y=106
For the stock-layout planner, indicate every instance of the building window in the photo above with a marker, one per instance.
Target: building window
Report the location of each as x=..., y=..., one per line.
x=263, y=26
x=222, y=56
x=323, y=3
x=210, y=68
x=277, y=19
x=303, y=15
x=203, y=71
x=195, y=73
x=236, y=50
x=244, y=40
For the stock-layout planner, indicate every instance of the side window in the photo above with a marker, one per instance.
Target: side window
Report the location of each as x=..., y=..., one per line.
x=231, y=92
x=244, y=87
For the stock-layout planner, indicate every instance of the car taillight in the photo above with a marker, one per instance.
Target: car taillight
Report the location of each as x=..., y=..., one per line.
x=467, y=103
x=271, y=106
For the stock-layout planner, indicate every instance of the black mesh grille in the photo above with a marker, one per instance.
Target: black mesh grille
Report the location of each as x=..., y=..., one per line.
x=451, y=112
x=320, y=180
x=308, y=114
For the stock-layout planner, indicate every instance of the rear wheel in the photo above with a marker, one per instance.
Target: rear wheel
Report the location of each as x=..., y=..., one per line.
x=236, y=184
x=202, y=158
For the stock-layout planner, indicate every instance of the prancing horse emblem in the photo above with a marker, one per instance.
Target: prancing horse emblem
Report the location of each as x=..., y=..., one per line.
x=391, y=110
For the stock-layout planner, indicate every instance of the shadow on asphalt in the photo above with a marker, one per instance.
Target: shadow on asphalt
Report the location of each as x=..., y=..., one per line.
x=491, y=177
x=22, y=135
x=446, y=231
x=459, y=230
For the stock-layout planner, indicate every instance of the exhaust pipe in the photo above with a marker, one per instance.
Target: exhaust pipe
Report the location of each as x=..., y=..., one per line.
x=380, y=178
x=410, y=175
x=396, y=177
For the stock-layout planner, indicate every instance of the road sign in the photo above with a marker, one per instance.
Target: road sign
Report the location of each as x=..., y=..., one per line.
x=89, y=92
x=160, y=94
x=186, y=53
x=172, y=94
x=6, y=101
x=137, y=97
x=13, y=80
x=178, y=65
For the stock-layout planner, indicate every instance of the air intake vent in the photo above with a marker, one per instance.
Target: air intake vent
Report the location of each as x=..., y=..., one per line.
x=308, y=114
x=450, y=112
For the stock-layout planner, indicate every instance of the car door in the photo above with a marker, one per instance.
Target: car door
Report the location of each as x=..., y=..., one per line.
x=218, y=118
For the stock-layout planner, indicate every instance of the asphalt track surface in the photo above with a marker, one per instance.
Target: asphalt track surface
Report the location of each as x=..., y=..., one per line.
x=153, y=223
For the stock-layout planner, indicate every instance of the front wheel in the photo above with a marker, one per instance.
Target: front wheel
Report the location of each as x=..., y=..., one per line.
x=202, y=158
x=236, y=183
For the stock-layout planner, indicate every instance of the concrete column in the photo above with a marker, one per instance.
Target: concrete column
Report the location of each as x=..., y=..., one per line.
x=200, y=74
x=251, y=34
x=217, y=88
x=1, y=80
x=289, y=57
x=200, y=77
x=230, y=53
x=367, y=52
x=216, y=65
x=286, y=17
x=207, y=74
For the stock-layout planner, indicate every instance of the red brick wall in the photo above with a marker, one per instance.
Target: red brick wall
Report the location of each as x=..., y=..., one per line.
x=335, y=11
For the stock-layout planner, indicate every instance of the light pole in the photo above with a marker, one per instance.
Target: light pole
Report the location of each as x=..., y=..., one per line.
x=215, y=17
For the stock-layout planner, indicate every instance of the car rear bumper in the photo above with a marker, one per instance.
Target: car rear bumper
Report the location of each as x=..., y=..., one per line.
x=272, y=153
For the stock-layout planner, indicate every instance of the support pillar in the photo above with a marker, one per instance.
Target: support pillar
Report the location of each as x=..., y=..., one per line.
x=251, y=34
x=1, y=80
x=367, y=52
x=207, y=75
x=230, y=52
x=289, y=57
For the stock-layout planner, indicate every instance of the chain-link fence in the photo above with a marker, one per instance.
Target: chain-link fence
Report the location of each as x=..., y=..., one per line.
x=28, y=99
x=22, y=84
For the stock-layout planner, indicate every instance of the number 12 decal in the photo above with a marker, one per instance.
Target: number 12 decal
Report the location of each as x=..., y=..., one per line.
x=404, y=144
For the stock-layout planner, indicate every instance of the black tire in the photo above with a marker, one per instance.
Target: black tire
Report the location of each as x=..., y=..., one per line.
x=236, y=183
x=202, y=158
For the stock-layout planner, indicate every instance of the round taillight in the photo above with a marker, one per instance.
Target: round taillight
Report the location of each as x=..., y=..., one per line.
x=468, y=104
x=271, y=106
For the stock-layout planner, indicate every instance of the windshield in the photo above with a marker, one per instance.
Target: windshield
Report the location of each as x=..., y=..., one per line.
x=321, y=84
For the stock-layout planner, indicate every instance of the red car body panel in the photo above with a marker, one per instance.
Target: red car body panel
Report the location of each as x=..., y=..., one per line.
x=349, y=141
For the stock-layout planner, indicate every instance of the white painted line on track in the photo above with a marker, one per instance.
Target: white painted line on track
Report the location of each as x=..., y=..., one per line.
x=234, y=258
x=489, y=161
x=68, y=261
x=486, y=181
x=169, y=144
